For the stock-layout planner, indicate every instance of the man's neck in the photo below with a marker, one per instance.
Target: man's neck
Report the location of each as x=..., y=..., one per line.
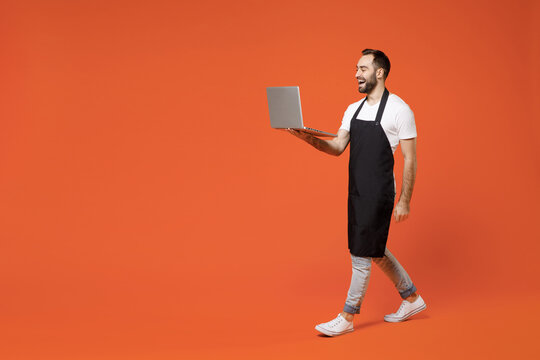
x=376, y=94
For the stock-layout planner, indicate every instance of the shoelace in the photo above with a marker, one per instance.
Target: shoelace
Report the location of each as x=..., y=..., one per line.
x=336, y=321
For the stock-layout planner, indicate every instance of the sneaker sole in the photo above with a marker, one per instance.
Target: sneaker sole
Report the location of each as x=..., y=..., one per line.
x=332, y=333
x=389, y=319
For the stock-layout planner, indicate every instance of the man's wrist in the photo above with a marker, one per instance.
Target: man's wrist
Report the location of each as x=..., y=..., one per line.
x=404, y=201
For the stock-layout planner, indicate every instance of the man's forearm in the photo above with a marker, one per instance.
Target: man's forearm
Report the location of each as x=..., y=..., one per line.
x=409, y=176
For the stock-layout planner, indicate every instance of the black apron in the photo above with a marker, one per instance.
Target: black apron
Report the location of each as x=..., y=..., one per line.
x=371, y=185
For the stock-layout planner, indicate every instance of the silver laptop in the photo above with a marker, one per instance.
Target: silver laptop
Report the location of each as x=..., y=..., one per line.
x=286, y=111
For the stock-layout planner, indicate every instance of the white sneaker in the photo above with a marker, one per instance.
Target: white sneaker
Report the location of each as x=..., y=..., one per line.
x=335, y=327
x=406, y=310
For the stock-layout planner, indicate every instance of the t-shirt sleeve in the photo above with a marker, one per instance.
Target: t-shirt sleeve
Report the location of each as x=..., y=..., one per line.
x=346, y=121
x=405, y=123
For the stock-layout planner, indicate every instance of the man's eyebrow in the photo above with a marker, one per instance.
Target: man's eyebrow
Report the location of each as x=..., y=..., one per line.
x=362, y=66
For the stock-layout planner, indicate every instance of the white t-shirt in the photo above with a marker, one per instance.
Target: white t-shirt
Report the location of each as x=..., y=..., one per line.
x=397, y=120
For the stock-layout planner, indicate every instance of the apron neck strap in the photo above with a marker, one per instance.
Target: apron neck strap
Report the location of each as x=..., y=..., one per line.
x=382, y=105
x=359, y=108
x=380, y=111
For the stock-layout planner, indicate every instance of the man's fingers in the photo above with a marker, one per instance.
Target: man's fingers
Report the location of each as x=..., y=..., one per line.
x=298, y=133
x=401, y=217
x=294, y=132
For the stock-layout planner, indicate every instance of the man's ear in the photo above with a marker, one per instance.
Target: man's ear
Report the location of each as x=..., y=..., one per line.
x=380, y=73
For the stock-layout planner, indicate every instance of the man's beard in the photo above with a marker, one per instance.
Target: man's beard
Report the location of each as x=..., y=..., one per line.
x=368, y=85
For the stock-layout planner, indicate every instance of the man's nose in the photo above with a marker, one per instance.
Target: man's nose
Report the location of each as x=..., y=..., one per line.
x=357, y=74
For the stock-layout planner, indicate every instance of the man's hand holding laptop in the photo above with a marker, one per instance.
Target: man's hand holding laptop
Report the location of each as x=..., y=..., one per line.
x=301, y=134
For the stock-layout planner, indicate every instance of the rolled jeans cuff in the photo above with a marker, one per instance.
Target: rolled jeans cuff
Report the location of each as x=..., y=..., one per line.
x=405, y=294
x=351, y=309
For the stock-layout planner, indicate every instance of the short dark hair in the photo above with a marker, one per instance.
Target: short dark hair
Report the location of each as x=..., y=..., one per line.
x=380, y=60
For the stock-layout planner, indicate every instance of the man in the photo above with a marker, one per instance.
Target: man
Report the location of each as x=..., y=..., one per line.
x=374, y=126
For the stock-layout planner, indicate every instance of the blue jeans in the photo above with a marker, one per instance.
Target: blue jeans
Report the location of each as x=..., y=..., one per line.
x=361, y=271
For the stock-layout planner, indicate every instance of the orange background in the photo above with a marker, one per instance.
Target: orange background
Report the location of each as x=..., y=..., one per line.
x=148, y=210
